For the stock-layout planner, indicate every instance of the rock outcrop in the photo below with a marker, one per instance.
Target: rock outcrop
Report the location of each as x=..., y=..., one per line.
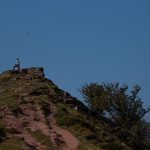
x=34, y=71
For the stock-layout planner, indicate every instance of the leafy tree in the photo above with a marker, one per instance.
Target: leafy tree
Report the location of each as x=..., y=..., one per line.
x=97, y=97
x=125, y=110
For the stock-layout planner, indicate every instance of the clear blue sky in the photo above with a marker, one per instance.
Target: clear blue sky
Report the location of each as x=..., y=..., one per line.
x=79, y=41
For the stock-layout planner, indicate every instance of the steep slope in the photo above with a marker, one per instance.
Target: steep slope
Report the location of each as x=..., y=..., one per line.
x=32, y=109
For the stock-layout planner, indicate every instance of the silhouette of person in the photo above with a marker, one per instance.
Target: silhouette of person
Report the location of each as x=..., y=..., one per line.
x=17, y=65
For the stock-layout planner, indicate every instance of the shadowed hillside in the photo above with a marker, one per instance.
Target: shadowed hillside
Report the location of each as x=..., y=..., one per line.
x=36, y=115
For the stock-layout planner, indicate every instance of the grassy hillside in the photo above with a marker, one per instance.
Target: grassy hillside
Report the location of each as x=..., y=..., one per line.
x=36, y=114
x=22, y=95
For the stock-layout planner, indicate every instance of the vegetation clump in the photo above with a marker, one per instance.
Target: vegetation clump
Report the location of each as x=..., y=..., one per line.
x=43, y=139
x=124, y=111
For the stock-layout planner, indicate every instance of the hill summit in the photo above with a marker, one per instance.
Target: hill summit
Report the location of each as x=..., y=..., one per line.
x=32, y=109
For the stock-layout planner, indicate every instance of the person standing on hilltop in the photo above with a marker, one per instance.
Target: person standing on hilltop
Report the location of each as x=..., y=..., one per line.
x=17, y=65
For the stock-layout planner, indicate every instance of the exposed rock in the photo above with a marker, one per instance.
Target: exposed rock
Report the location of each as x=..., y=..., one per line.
x=34, y=71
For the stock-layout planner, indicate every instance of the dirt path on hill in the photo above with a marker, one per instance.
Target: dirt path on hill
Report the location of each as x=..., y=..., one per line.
x=31, y=143
x=61, y=137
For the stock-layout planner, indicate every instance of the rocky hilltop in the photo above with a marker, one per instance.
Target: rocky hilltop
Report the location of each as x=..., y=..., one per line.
x=36, y=115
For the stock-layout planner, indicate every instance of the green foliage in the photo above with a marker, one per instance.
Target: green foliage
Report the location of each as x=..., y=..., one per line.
x=125, y=111
x=69, y=118
x=96, y=96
